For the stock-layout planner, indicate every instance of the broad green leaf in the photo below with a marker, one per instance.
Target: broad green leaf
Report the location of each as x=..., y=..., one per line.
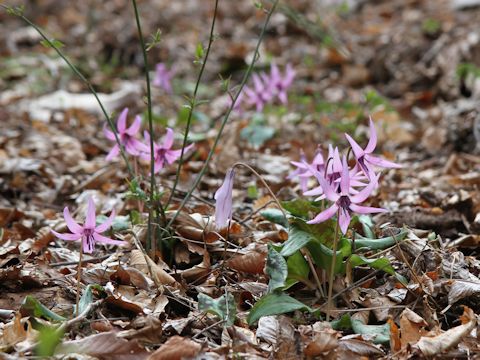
x=87, y=297
x=275, y=215
x=379, y=244
x=367, y=225
x=224, y=307
x=120, y=223
x=274, y=304
x=257, y=135
x=302, y=208
x=276, y=269
x=297, y=239
x=343, y=323
x=48, y=339
x=32, y=307
x=379, y=264
x=323, y=256
x=381, y=332
x=298, y=269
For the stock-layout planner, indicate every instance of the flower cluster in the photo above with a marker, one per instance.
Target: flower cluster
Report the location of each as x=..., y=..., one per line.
x=345, y=187
x=163, y=153
x=163, y=78
x=267, y=87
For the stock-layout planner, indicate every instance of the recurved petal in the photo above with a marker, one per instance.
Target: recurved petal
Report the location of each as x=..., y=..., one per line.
x=365, y=192
x=366, y=209
x=375, y=160
x=90, y=218
x=133, y=129
x=372, y=142
x=324, y=215
x=108, y=134
x=122, y=121
x=357, y=150
x=67, y=236
x=106, y=240
x=71, y=224
x=103, y=227
x=113, y=153
x=168, y=139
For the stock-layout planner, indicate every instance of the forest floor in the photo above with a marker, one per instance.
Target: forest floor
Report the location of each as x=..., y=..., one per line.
x=413, y=66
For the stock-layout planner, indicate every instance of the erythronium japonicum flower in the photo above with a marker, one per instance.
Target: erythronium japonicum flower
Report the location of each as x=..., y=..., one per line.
x=279, y=83
x=223, y=198
x=89, y=233
x=163, y=154
x=163, y=78
x=126, y=136
x=364, y=157
x=344, y=203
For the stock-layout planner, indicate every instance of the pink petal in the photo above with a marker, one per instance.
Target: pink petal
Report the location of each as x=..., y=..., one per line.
x=106, y=240
x=67, y=237
x=372, y=142
x=365, y=192
x=88, y=244
x=345, y=179
x=168, y=139
x=103, y=227
x=223, y=200
x=108, y=134
x=122, y=121
x=324, y=215
x=375, y=160
x=113, y=153
x=133, y=129
x=90, y=219
x=314, y=192
x=71, y=224
x=344, y=220
x=366, y=209
x=357, y=150
x=158, y=165
x=172, y=155
x=337, y=163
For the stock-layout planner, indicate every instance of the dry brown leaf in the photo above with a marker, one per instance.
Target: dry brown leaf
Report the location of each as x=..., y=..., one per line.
x=16, y=331
x=395, y=343
x=323, y=341
x=252, y=262
x=139, y=260
x=347, y=346
x=176, y=348
x=430, y=346
x=411, y=326
x=105, y=346
x=461, y=289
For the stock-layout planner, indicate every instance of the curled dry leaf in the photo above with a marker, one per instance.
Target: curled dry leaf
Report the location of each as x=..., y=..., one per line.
x=14, y=332
x=411, y=327
x=322, y=342
x=138, y=260
x=267, y=329
x=351, y=346
x=176, y=348
x=430, y=346
x=252, y=262
x=461, y=289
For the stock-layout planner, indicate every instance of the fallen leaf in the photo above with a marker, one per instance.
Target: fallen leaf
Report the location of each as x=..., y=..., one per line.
x=176, y=348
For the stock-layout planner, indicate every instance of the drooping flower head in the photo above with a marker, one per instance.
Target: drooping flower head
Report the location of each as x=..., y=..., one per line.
x=163, y=78
x=364, y=157
x=126, y=136
x=88, y=233
x=223, y=200
x=344, y=203
x=163, y=153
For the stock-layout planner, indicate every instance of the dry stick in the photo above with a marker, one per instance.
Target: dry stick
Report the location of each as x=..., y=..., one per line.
x=225, y=119
x=332, y=267
x=79, y=276
x=18, y=12
x=193, y=103
x=314, y=272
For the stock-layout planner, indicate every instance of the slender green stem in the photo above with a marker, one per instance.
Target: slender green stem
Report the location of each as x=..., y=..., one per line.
x=193, y=103
x=331, y=274
x=81, y=77
x=79, y=279
x=150, y=240
x=225, y=118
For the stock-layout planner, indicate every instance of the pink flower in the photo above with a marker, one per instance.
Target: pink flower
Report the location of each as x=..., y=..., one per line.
x=260, y=95
x=364, y=157
x=163, y=78
x=126, y=136
x=223, y=198
x=304, y=171
x=344, y=203
x=279, y=83
x=163, y=154
x=88, y=233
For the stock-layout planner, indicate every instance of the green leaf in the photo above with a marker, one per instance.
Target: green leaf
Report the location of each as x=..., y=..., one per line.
x=297, y=239
x=381, y=333
x=275, y=215
x=120, y=222
x=224, y=307
x=301, y=233
x=379, y=244
x=52, y=43
x=343, y=323
x=48, y=339
x=298, y=269
x=274, y=304
x=323, y=256
x=257, y=135
x=87, y=297
x=199, y=51
x=367, y=225
x=302, y=208
x=379, y=264
x=276, y=269
x=32, y=307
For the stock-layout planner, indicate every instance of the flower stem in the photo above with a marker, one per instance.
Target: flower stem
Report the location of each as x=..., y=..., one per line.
x=83, y=78
x=79, y=278
x=225, y=119
x=150, y=232
x=193, y=103
x=331, y=274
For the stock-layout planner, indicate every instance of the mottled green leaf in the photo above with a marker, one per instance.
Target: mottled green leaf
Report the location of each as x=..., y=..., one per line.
x=275, y=215
x=224, y=307
x=274, y=304
x=276, y=269
x=32, y=307
x=381, y=333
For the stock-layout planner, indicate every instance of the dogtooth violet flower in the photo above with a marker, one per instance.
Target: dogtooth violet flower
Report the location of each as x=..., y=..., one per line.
x=126, y=136
x=88, y=233
x=223, y=200
x=279, y=83
x=163, y=153
x=364, y=157
x=344, y=203
x=303, y=170
x=163, y=77
x=260, y=95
